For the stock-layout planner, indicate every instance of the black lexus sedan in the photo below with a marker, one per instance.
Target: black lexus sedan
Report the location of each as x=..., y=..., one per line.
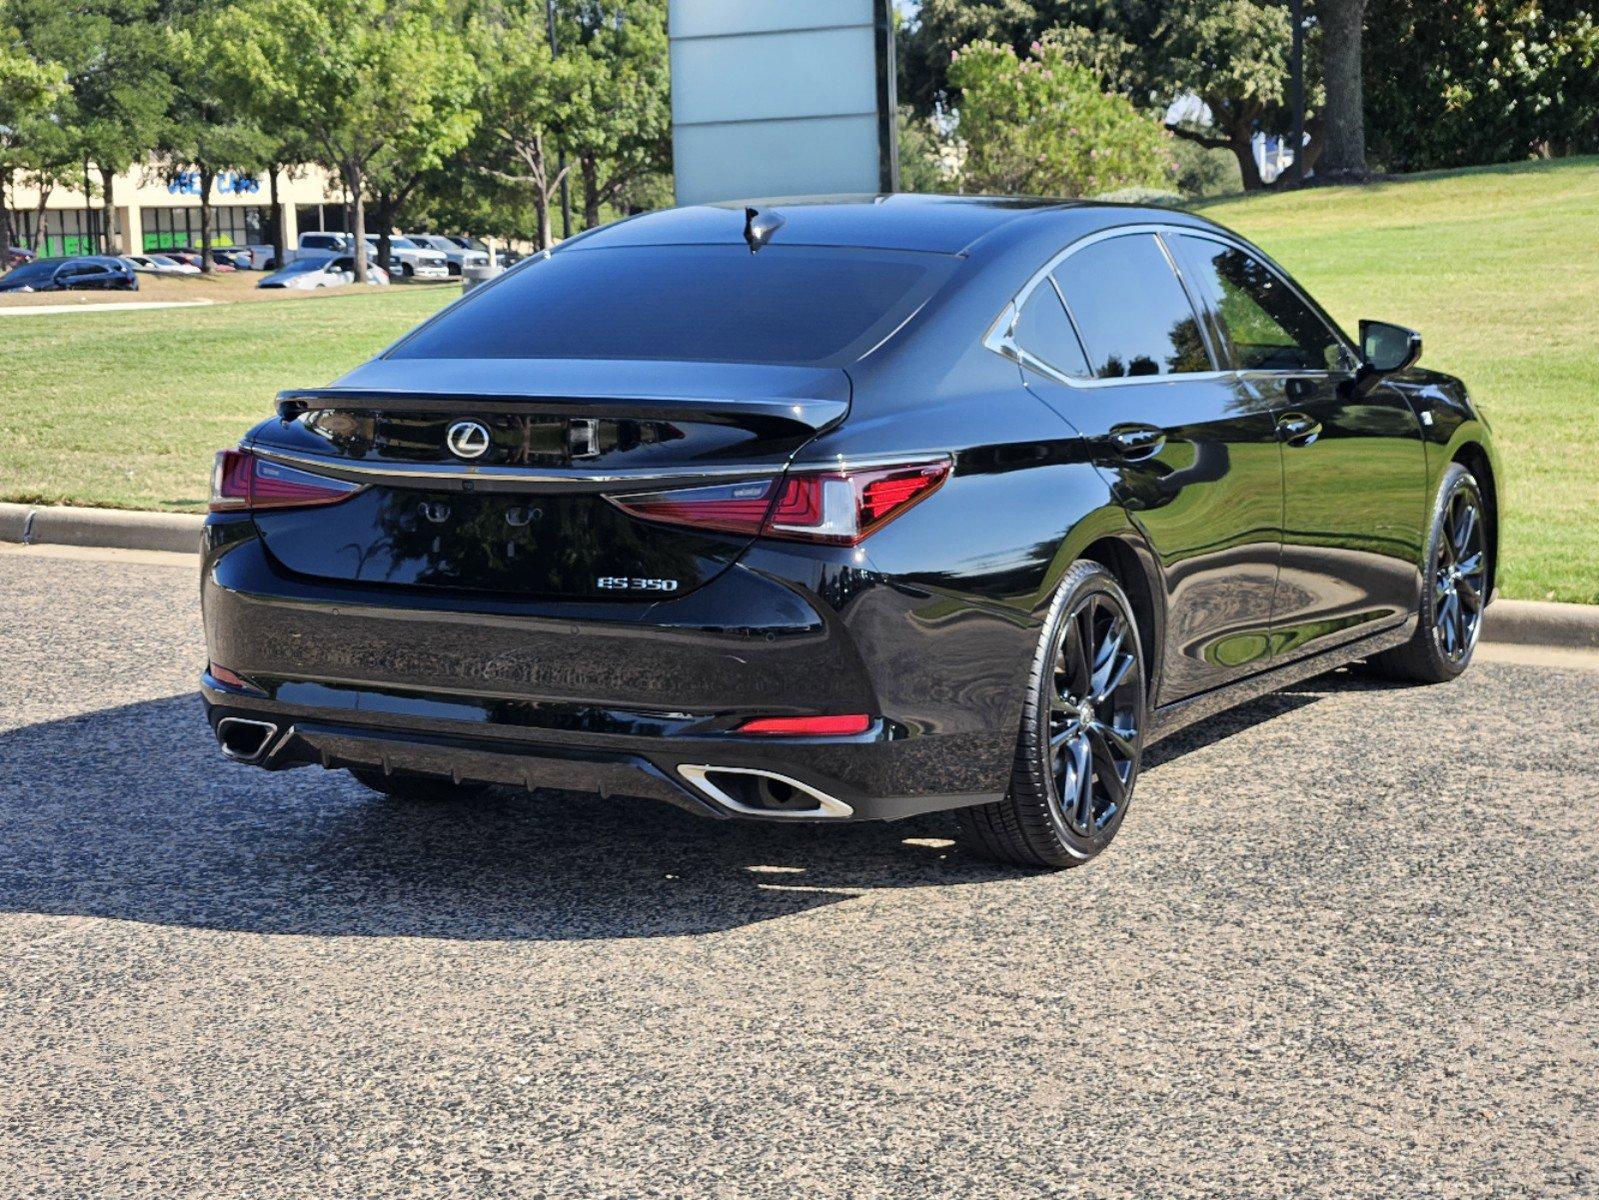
x=843, y=509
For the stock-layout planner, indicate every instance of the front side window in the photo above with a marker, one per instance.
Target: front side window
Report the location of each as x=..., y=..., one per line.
x=1133, y=314
x=1045, y=332
x=1270, y=328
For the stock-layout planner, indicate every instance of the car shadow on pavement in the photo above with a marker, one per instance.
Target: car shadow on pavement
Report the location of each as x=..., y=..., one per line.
x=130, y=813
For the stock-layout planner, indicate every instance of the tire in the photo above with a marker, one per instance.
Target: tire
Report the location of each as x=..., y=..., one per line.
x=419, y=789
x=1043, y=820
x=1454, y=593
x=407, y=270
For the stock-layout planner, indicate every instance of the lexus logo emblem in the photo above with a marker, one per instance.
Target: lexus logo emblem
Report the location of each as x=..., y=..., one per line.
x=468, y=439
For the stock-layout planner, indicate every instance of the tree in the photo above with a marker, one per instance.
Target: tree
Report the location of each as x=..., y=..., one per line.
x=1040, y=124
x=1343, y=155
x=1502, y=80
x=111, y=51
x=376, y=85
x=1233, y=56
x=526, y=97
x=619, y=127
x=29, y=93
x=204, y=129
x=1230, y=55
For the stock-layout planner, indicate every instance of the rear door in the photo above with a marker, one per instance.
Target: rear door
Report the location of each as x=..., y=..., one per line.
x=1111, y=340
x=1354, y=468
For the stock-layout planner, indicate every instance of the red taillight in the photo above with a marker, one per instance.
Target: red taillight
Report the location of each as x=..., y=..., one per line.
x=242, y=481
x=833, y=726
x=840, y=507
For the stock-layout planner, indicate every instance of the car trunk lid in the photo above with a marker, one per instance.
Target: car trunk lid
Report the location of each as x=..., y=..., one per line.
x=491, y=475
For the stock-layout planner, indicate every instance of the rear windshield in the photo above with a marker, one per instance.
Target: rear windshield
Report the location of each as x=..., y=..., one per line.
x=795, y=305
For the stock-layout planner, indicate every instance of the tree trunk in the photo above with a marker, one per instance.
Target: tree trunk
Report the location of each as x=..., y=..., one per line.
x=38, y=219
x=1343, y=154
x=113, y=243
x=353, y=180
x=206, y=176
x=1243, y=148
x=6, y=231
x=277, y=217
x=591, y=191
x=383, y=212
x=541, y=207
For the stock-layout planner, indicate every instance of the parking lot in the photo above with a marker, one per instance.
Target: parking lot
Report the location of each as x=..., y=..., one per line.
x=1344, y=946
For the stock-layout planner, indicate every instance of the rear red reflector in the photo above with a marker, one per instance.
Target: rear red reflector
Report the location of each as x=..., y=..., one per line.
x=243, y=481
x=834, y=726
x=231, y=678
x=840, y=507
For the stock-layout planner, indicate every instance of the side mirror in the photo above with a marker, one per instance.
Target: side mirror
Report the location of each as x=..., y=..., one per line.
x=1384, y=350
x=1388, y=349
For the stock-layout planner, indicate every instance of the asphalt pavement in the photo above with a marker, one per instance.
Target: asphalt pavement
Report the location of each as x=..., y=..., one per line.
x=1344, y=947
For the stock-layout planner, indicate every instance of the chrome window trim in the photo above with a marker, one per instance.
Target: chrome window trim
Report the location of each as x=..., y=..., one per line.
x=999, y=336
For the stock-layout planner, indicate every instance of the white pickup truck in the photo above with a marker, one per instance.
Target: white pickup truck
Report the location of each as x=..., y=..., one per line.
x=456, y=255
x=406, y=258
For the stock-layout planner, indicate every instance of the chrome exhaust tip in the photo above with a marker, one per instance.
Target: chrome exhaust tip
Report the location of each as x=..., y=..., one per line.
x=244, y=740
x=752, y=792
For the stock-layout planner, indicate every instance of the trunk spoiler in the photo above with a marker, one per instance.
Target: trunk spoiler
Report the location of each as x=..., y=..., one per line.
x=776, y=399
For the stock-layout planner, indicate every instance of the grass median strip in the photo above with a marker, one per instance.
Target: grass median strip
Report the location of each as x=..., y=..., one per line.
x=126, y=409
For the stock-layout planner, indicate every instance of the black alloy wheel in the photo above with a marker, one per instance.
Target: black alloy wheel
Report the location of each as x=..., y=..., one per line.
x=1455, y=591
x=1082, y=735
x=1460, y=577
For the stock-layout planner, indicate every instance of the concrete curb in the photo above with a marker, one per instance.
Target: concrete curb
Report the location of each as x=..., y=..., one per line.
x=104, y=527
x=1521, y=622
x=1542, y=623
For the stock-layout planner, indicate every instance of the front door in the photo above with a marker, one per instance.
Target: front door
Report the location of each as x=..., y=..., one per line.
x=1354, y=468
x=1111, y=341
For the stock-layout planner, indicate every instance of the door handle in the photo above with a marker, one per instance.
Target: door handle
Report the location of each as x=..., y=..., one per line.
x=1296, y=429
x=1136, y=442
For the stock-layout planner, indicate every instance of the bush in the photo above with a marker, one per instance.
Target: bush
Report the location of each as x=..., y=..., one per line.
x=1206, y=171
x=1041, y=125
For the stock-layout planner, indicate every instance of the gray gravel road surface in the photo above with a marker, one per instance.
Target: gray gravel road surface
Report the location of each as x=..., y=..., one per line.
x=1344, y=947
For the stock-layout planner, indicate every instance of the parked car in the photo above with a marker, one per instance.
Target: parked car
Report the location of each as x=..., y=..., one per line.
x=324, y=242
x=159, y=264
x=456, y=257
x=411, y=260
x=843, y=510
x=308, y=274
x=82, y=273
x=189, y=258
x=231, y=259
x=260, y=257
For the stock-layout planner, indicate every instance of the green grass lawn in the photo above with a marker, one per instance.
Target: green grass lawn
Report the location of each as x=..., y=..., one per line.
x=126, y=408
x=1498, y=267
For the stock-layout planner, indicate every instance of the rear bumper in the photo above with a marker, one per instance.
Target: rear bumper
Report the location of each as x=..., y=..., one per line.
x=630, y=699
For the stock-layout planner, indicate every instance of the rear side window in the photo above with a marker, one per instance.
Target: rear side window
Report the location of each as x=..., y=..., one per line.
x=1134, y=316
x=1045, y=332
x=799, y=305
x=1269, y=327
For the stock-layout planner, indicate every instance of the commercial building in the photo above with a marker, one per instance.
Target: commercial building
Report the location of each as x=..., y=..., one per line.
x=155, y=208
